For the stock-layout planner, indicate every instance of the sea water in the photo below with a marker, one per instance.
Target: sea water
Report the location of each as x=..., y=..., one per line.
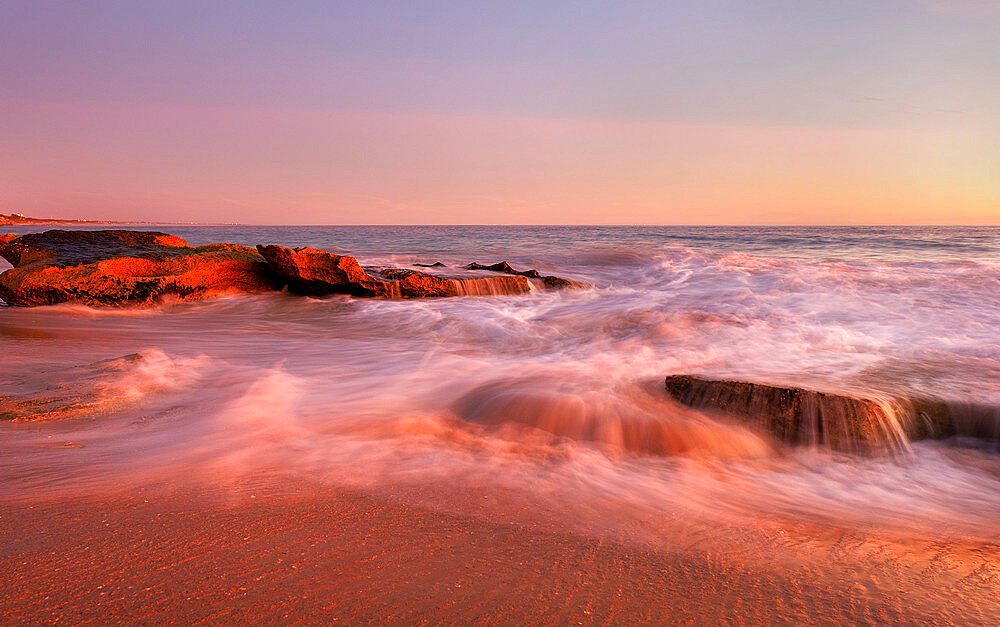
x=552, y=399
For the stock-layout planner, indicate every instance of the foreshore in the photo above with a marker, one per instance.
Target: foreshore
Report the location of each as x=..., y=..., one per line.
x=313, y=554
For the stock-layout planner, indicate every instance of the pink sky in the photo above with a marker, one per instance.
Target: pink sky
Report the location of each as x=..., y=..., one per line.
x=315, y=167
x=728, y=115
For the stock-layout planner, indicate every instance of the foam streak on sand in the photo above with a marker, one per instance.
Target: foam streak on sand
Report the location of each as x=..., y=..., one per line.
x=518, y=457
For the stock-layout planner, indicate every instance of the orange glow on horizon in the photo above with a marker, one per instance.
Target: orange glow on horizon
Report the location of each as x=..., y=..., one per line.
x=270, y=166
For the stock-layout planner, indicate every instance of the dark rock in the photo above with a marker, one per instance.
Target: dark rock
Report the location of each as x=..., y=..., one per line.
x=835, y=421
x=548, y=282
x=936, y=419
x=436, y=264
x=504, y=267
x=558, y=283
x=114, y=267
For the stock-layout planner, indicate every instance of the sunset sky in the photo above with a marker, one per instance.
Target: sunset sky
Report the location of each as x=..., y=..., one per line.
x=697, y=112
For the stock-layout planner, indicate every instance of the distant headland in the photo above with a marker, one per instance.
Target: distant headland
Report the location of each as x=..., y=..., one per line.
x=15, y=219
x=19, y=219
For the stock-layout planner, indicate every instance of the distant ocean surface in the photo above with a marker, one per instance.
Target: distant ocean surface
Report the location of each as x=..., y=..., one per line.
x=375, y=394
x=890, y=243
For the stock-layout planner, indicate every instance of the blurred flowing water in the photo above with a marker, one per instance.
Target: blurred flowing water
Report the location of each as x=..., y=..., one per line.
x=554, y=397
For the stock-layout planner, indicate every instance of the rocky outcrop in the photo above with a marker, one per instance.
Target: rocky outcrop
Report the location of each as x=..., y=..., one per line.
x=839, y=422
x=114, y=267
x=549, y=282
x=316, y=272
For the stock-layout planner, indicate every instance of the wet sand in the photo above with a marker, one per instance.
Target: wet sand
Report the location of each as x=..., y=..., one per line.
x=316, y=554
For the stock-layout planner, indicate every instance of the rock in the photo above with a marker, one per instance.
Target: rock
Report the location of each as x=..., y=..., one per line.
x=316, y=272
x=636, y=420
x=75, y=391
x=436, y=264
x=548, y=282
x=504, y=267
x=800, y=416
x=403, y=283
x=72, y=248
x=935, y=419
x=558, y=283
x=114, y=267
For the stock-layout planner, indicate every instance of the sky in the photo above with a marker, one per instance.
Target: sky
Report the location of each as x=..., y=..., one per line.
x=582, y=112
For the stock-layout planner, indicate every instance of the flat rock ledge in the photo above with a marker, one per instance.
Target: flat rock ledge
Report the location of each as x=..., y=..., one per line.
x=123, y=267
x=838, y=422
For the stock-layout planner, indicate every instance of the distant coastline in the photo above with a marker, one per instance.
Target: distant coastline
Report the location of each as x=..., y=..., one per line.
x=17, y=219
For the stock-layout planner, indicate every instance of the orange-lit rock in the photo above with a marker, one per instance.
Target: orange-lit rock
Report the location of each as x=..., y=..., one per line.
x=311, y=271
x=115, y=267
x=314, y=271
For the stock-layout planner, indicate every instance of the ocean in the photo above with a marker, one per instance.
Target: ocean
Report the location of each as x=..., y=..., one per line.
x=521, y=407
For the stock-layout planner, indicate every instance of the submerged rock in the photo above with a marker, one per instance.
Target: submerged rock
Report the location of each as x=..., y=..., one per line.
x=835, y=421
x=75, y=392
x=316, y=272
x=633, y=419
x=113, y=267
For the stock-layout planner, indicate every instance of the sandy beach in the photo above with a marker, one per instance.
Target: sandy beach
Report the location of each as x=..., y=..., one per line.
x=309, y=554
